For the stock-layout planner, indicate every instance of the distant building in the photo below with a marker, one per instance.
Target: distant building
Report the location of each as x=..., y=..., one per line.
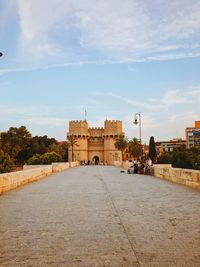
x=192, y=135
x=129, y=157
x=95, y=144
x=169, y=146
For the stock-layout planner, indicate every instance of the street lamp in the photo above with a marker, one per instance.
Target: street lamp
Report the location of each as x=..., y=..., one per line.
x=137, y=119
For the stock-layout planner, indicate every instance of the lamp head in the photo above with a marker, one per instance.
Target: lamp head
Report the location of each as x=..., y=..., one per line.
x=1, y=54
x=136, y=121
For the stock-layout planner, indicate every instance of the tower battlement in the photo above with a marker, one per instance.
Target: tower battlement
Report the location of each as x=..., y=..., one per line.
x=78, y=127
x=96, y=128
x=113, y=126
x=112, y=121
x=78, y=122
x=95, y=144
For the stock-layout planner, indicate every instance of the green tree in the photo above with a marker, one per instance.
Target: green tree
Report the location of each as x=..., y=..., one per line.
x=182, y=158
x=13, y=142
x=72, y=142
x=121, y=143
x=135, y=148
x=36, y=145
x=35, y=160
x=152, y=149
x=165, y=158
x=60, y=148
x=50, y=157
x=6, y=163
x=45, y=159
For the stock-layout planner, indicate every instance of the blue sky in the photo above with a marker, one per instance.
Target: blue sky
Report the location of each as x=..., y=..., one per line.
x=112, y=57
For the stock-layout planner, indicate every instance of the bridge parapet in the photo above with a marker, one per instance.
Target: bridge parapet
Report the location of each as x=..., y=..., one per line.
x=186, y=177
x=31, y=173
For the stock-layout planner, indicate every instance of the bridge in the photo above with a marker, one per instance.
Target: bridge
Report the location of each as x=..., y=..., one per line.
x=98, y=216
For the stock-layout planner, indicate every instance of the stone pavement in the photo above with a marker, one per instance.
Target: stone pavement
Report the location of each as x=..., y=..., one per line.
x=95, y=216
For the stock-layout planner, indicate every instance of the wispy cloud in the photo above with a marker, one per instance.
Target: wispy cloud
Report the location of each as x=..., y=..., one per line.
x=164, y=117
x=109, y=32
x=170, y=98
x=45, y=121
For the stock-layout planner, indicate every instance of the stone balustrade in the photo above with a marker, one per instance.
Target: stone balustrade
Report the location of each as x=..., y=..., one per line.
x=74, y=164
x=186, y=177
x=31, y=173
x=58, y=167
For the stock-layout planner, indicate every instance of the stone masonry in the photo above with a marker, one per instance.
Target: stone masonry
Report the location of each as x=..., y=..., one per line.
x=95, y=144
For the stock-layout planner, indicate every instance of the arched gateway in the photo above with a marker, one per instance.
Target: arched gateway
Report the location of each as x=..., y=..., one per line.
x=96, y=144
x=96, y=160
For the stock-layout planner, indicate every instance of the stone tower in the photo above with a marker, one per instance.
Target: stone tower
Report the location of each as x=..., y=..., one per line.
x=95, y=144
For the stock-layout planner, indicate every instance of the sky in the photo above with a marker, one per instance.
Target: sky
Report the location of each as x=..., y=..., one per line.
x=113, y=58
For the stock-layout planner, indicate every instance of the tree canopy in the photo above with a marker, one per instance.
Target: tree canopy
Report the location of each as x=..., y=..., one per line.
x=135, y=148
x=17, y=146
x=182, y=158
x=45, y=159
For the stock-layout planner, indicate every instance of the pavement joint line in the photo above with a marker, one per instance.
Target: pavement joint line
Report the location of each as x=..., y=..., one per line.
x=116, y=212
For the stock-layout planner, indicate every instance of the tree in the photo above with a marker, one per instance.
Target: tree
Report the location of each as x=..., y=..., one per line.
x=45, y=159
x=182, y=158
x=6, y=163
x=72, y=141
x=13, y=142
x=17, y=146
x=165, y=158
x=50, y=157
x=36, y=145
x=135, y=148
x=61, y=148
x=152, y=149
x=121, y=142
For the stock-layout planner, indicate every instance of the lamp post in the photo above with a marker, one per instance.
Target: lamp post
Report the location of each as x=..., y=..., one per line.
x=137, y=119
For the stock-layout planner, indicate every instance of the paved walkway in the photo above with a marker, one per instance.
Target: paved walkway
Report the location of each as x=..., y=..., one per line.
x=97, y=216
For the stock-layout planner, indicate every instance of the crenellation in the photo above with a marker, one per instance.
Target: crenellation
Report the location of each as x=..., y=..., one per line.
x=95, y=142
x=96, y=128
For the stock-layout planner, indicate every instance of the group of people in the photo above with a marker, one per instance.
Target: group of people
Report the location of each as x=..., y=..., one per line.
x=141, y=166
x=91, y=162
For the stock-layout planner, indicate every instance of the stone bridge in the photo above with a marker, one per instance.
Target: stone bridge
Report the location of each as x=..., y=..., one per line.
x=96, y=216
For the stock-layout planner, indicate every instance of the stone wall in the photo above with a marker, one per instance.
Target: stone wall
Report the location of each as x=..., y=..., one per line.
x=186, y=177
x=58, y=167
x=74, y=164
x=125, y=164
x=29, y=167
x=31, y=173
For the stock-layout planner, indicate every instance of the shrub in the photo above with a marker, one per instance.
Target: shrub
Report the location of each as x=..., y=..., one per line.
x=182, y=158
x=45, y=159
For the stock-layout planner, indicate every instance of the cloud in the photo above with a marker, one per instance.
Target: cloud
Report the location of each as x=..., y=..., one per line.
x=107, y=31
x=164, y=117
x=180, y=97
x=31, y=115
x=46, y=121
x=171, y=97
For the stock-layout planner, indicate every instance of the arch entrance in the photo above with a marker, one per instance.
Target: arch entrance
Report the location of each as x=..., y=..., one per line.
x=96, y=160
